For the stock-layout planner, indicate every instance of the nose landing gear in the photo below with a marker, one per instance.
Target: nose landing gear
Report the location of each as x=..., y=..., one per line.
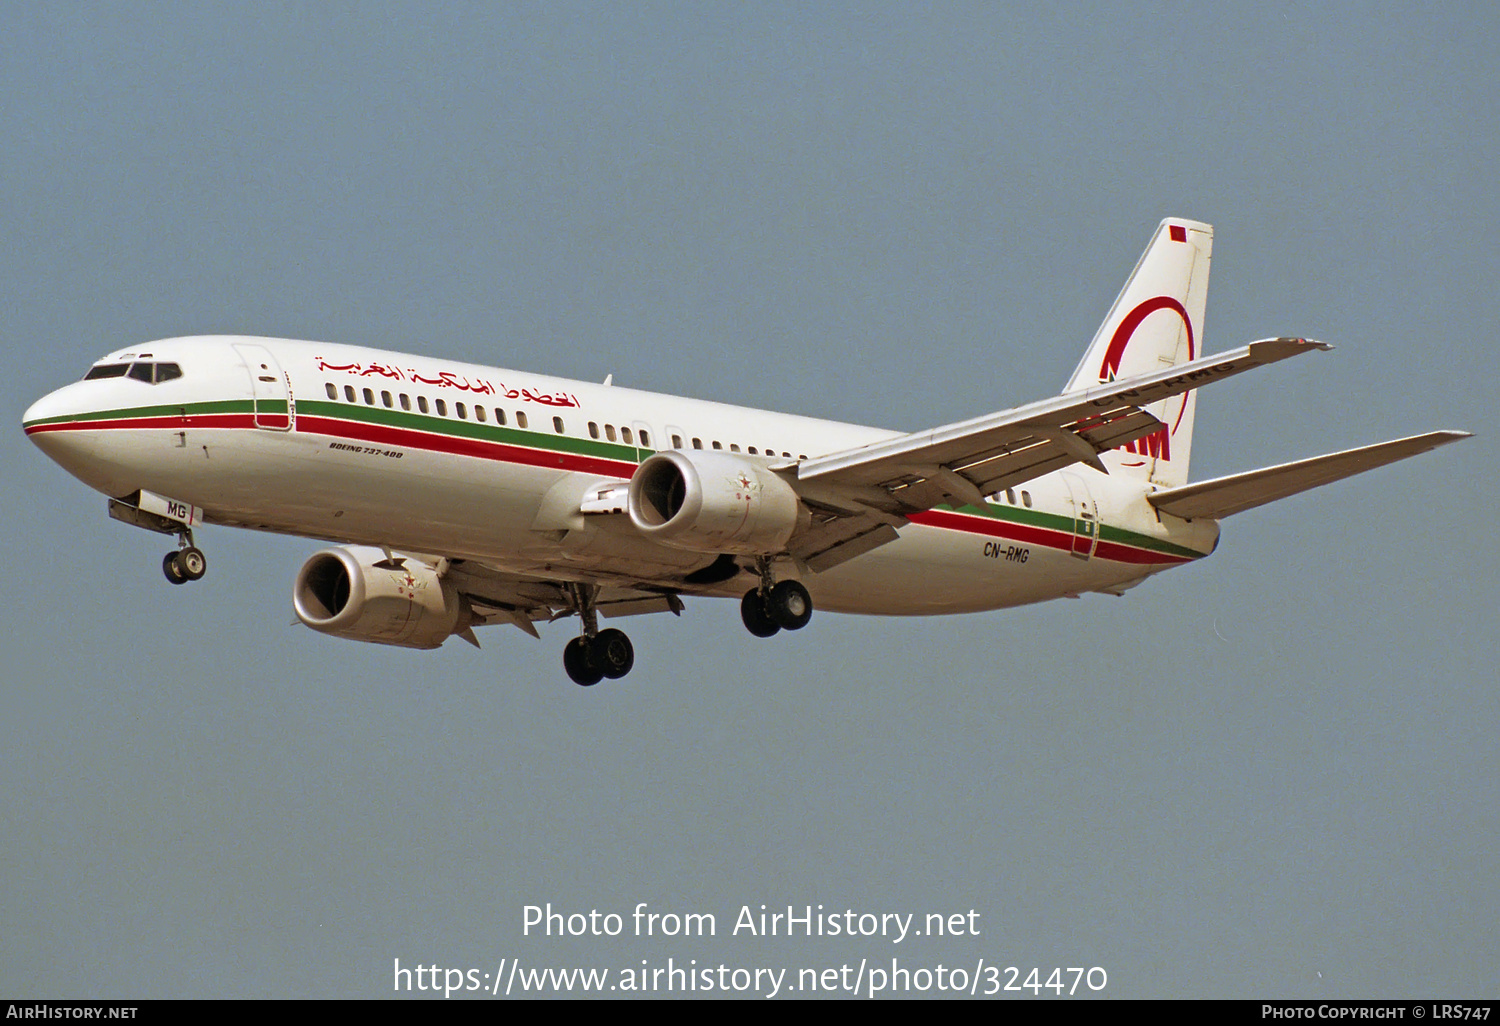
x=166, y=516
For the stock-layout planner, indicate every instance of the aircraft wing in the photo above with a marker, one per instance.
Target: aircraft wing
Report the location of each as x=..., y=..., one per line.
x=1236, y=493
x=960, y=463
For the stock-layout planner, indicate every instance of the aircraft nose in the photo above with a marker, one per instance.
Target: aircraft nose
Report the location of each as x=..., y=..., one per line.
x=54, y=410
x=45, y=411
x=51, y=424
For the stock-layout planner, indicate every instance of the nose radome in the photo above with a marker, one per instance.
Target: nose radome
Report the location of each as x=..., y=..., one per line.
x=44, y=409
x=45, y=422
x=50, y=424
x=59, y=425
x=66, y=403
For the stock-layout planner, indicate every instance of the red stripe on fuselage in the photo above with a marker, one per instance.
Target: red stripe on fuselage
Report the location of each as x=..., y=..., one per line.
x=1118, y=553
x=458, y=446
x=1032, y=535
x=172, y=422
x=995, y=528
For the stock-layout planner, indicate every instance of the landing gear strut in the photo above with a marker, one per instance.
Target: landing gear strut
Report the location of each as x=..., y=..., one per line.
x=595, y=654
x=775, y=605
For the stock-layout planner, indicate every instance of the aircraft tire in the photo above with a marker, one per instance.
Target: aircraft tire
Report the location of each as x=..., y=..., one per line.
x=790, y=605
x=757, y=618
x=611, y=651
x=171, y=568
x=581, y=669
x=192, y=563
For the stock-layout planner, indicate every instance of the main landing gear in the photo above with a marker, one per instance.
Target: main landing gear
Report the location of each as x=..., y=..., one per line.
x=595, y=654
x=775, y=606
x=186, y=564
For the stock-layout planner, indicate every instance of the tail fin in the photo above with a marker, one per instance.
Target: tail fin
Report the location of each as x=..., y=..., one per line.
x=1156, y=322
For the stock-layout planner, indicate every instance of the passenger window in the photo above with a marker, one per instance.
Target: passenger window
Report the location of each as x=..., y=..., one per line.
x=697, y=443
x=645, y=438
x=1026, y=498
x=593, y=430
x=463, y=413
x=557, y=425
x=609, y=432
x=479, y=414
x=1010, y=496
x=677, y=441
x=369, y=397
x=717, y=446
x=385, y=398
x=333, y=392
x=733, y=447
x=752, y=451
x=422, y=403
x=520, y=418
x=625, y=436
x=442, y=407
x=405, y=401
x=349, y=393
x=499, y=415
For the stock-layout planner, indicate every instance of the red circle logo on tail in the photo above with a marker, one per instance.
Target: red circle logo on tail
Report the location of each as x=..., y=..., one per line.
x=1121, y=339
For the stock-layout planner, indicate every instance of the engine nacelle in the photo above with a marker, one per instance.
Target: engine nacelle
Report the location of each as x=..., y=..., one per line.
x=707, y=501
x=357, y=593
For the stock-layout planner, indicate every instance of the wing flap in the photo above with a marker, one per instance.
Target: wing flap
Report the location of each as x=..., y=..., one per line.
x=838, y=540
x=630, y=606
x=1225, y=496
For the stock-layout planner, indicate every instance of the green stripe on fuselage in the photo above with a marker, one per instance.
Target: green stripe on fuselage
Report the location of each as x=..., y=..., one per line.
x=1058, y=522
x=169, y=410
x=528, y=437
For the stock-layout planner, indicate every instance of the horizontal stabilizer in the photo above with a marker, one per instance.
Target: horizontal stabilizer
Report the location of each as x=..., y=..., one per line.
x=1238, y=492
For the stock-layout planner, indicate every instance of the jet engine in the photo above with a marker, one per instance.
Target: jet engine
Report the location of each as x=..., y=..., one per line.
x=714, y=502
x=361, y=594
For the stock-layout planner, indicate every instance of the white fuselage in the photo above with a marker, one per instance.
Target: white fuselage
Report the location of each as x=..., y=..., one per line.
x=427, y=456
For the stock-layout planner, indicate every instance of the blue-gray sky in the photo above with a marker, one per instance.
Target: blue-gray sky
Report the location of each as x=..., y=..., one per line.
x=1272, y=773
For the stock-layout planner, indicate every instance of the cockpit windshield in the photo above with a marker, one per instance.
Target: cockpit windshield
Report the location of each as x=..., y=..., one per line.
x=141, y=370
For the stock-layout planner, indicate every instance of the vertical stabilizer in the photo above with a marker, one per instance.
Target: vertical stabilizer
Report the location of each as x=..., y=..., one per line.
x=1156, y=322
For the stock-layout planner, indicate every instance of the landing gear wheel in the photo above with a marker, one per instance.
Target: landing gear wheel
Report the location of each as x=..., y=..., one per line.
x=172, y=569
x=580, y=667
x=790, y=605
x=192, y=563
x=184, y=565
x=757, y=619
x=611, y=651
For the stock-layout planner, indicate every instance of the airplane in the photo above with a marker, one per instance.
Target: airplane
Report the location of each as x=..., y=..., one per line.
x=458, y=496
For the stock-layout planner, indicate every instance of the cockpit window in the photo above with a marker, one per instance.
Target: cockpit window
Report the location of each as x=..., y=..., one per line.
x=141, y=370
